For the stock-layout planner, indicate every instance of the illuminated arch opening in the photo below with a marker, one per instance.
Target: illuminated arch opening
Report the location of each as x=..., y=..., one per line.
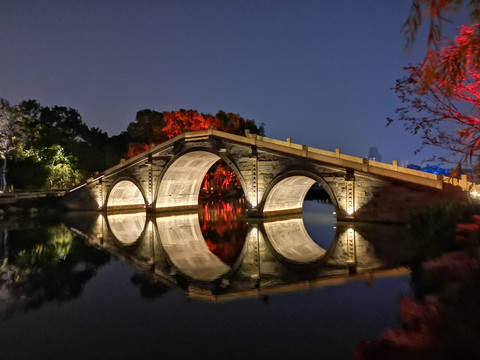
x=290, y=240
x=182, y=240
x=125, y=194
x=183, y=181
x=127, y=228
x=288, y=194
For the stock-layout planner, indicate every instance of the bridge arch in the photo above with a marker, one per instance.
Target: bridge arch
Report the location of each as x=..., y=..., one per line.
x=180, y=183
x=127, y=228
x=287, y=192
x=181, y=238
x=125, y=194
x=291, y=241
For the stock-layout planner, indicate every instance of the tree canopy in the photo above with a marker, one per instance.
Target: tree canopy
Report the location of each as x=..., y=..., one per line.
x=10, y=136
x=152, y=127
x=436, y=11
x=440, y=96
x=52, y=148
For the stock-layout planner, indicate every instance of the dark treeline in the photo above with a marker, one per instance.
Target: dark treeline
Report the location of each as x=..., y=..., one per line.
x=45, y=147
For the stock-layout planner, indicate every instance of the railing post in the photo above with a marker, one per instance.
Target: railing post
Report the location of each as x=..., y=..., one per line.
x=463, y=182
x=304, y=150
x=365, y=164
x=395, y=165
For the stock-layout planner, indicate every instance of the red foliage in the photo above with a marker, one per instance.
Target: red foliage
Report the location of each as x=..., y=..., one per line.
x=443, y=93
x=219, y=178
x=135, y=149
x=178, y=122
x=223, y=232
x=453, y=73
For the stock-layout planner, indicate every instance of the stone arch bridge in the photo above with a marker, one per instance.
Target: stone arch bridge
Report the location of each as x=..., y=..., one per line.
x=275, y=176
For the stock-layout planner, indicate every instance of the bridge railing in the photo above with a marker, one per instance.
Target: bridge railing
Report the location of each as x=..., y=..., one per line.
x=331, y=157
x=380, y=168
x=357, y=163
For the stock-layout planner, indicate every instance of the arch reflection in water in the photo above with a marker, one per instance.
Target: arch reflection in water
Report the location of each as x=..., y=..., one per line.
x=290, y=240
x=224, y=227
x=127, y=228
x=174, y=244
x=185, y=246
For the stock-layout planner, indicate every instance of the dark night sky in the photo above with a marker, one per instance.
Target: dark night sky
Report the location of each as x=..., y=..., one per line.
x=317, y=71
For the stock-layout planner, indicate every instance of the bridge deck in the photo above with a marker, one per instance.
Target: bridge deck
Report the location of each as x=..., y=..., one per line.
x=392, y=171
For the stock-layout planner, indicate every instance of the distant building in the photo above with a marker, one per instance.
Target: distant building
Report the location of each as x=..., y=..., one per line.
x=374, y=154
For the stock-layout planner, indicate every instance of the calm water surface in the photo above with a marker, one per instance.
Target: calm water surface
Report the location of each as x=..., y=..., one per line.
x=124, y=288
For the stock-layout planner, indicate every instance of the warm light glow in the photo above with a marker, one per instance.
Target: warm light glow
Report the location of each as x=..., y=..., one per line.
x=181, y=184
x=351, y=245
x=182, y=240
x=288, y=194
x=125, y=194
x=350, y=198
x=290, y=239
x=78, y=187
x=127, y=228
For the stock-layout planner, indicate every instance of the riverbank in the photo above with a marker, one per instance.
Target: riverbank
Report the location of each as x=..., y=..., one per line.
x=442, y=321
x=24, y=202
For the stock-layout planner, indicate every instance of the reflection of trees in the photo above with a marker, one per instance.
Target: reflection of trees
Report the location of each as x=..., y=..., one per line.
x=47, y=264
x=443, y=320
x=317, y=192
x=223, y=228
x=149, y=288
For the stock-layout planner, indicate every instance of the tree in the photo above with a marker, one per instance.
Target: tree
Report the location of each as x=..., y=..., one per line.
x=431, y=101
x=178, y=122
x=436, y=11
x=440, y=96
x=57, y=149
x=235, y=124
x=61, y=172
x=151, y=127
x=10, y=134
x=147, y=127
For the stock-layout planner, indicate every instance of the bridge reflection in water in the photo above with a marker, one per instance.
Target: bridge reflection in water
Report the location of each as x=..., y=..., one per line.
x=217, y=253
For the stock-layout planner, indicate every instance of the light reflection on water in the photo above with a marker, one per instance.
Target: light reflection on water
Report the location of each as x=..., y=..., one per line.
x=287, y=309
x=224, y=227
x=320, y=221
